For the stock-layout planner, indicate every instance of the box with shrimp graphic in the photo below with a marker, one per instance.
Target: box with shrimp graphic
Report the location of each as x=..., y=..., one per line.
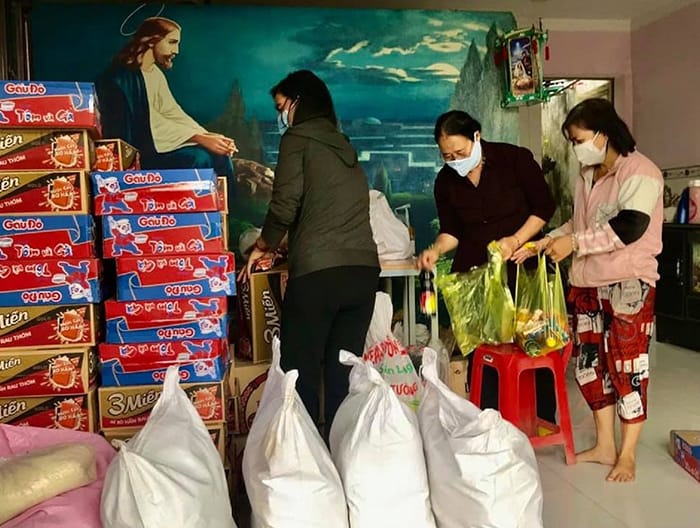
x=167, y=320
x=41, y=104
x=199, y=361
x=115, y=155
x=37, y=149
x=175, y=277
x=131, y=406
x=161, y=234
x=30, y=372
x=75, y=413
x=50, y=282
x=44, y=192
x=40, y=237
x=153, y=191
x=40, y=327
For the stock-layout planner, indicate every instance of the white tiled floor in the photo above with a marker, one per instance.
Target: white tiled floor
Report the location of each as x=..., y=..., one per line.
x=664, y=495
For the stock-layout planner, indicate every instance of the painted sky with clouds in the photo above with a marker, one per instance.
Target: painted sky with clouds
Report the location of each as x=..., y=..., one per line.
x=391, y=64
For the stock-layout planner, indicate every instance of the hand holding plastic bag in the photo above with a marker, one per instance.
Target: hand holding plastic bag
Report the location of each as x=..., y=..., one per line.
x=541, y=324
x=479, y=303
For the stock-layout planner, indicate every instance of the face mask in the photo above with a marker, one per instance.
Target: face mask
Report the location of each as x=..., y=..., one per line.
x=588, y=154
x=465, y=165
x=283, y=121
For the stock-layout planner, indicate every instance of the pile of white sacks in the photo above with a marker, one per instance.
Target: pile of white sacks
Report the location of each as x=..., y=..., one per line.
x=450, y=465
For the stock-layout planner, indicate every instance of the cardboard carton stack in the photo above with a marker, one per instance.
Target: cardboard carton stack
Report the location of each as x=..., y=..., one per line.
x=173, y=276
x=49, y=270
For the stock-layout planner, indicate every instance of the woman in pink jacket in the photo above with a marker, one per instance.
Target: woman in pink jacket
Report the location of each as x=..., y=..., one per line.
x=614, y=236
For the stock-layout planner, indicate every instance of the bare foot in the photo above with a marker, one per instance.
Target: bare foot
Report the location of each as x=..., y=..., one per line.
x=624, y=470
x=598, y=455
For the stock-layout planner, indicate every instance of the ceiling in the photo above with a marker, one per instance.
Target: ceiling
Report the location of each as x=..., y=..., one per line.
x=635, y=12
x=558, y=14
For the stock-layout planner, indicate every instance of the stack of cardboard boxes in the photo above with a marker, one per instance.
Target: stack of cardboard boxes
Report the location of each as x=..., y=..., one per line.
x=165, y=231
x=49, y=271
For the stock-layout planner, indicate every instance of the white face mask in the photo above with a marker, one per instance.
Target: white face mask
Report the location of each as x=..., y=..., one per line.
x=283, y=121
x=465, y=165
x=588, y=154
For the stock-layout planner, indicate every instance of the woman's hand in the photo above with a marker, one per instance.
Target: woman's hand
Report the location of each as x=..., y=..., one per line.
x=255, y=255
x=428, y=258
x=560, y=248
x=508, y=245
x=530, y=249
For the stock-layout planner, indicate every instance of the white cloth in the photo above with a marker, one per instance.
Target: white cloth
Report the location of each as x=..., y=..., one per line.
x=171, y=127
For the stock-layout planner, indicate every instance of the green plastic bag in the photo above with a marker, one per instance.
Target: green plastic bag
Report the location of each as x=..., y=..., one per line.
x=479, y=302
x=541, y=324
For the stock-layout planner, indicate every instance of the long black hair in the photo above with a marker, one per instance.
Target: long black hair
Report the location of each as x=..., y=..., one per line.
x=599, y=115
x=456, y=123
x=310, y=92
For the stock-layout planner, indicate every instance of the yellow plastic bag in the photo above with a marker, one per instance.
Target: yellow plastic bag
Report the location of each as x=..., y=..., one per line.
x=479, y=302
x=541, y=324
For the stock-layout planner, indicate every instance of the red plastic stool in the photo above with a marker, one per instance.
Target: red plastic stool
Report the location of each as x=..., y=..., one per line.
x=517, y=399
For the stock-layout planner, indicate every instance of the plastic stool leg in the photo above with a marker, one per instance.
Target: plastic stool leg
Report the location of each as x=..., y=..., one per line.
x=527, y=402
x=564, y=412
x=476, y=381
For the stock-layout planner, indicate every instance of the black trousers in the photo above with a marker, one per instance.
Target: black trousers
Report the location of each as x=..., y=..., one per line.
x=544, y=390
x=322, y=313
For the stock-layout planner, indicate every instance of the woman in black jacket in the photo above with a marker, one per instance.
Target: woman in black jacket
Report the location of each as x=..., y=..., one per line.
x=320, y=198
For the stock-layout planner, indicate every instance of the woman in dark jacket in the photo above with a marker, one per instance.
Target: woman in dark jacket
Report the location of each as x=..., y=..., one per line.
x=320, y=198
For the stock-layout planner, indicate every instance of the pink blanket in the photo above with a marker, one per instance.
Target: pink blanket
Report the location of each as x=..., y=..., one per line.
x=79, y=508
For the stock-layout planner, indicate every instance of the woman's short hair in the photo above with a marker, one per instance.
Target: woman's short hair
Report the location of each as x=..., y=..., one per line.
x=456, y=123
x=314, y=99
x=599, y=115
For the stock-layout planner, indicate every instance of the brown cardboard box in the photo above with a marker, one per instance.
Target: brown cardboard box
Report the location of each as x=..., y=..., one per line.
x=38, y=149
x=130, y=406
x=458, y=376
x=222, y=189
x=75, y=413
x=216, y=431
x=260, y=309
x=41, y=327
x=45, y=192
x=235, y=455
x=29, y=372
x=115, y=155
x=246, y=383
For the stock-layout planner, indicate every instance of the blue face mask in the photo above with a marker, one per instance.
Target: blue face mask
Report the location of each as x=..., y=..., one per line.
x=283, y=121
x=465, y=165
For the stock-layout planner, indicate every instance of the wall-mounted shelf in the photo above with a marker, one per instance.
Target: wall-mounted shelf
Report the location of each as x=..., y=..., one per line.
x=690, y=172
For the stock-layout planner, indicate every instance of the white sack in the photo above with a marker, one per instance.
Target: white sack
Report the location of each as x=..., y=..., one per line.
x=170, y=473
x=482, y=469
x=28, y=480
x=289, y=475
x=389, y=356
x=390, y=234
x=377, y=448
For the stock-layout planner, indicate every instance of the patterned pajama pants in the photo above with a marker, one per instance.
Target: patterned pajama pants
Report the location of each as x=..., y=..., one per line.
x=612, y=326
